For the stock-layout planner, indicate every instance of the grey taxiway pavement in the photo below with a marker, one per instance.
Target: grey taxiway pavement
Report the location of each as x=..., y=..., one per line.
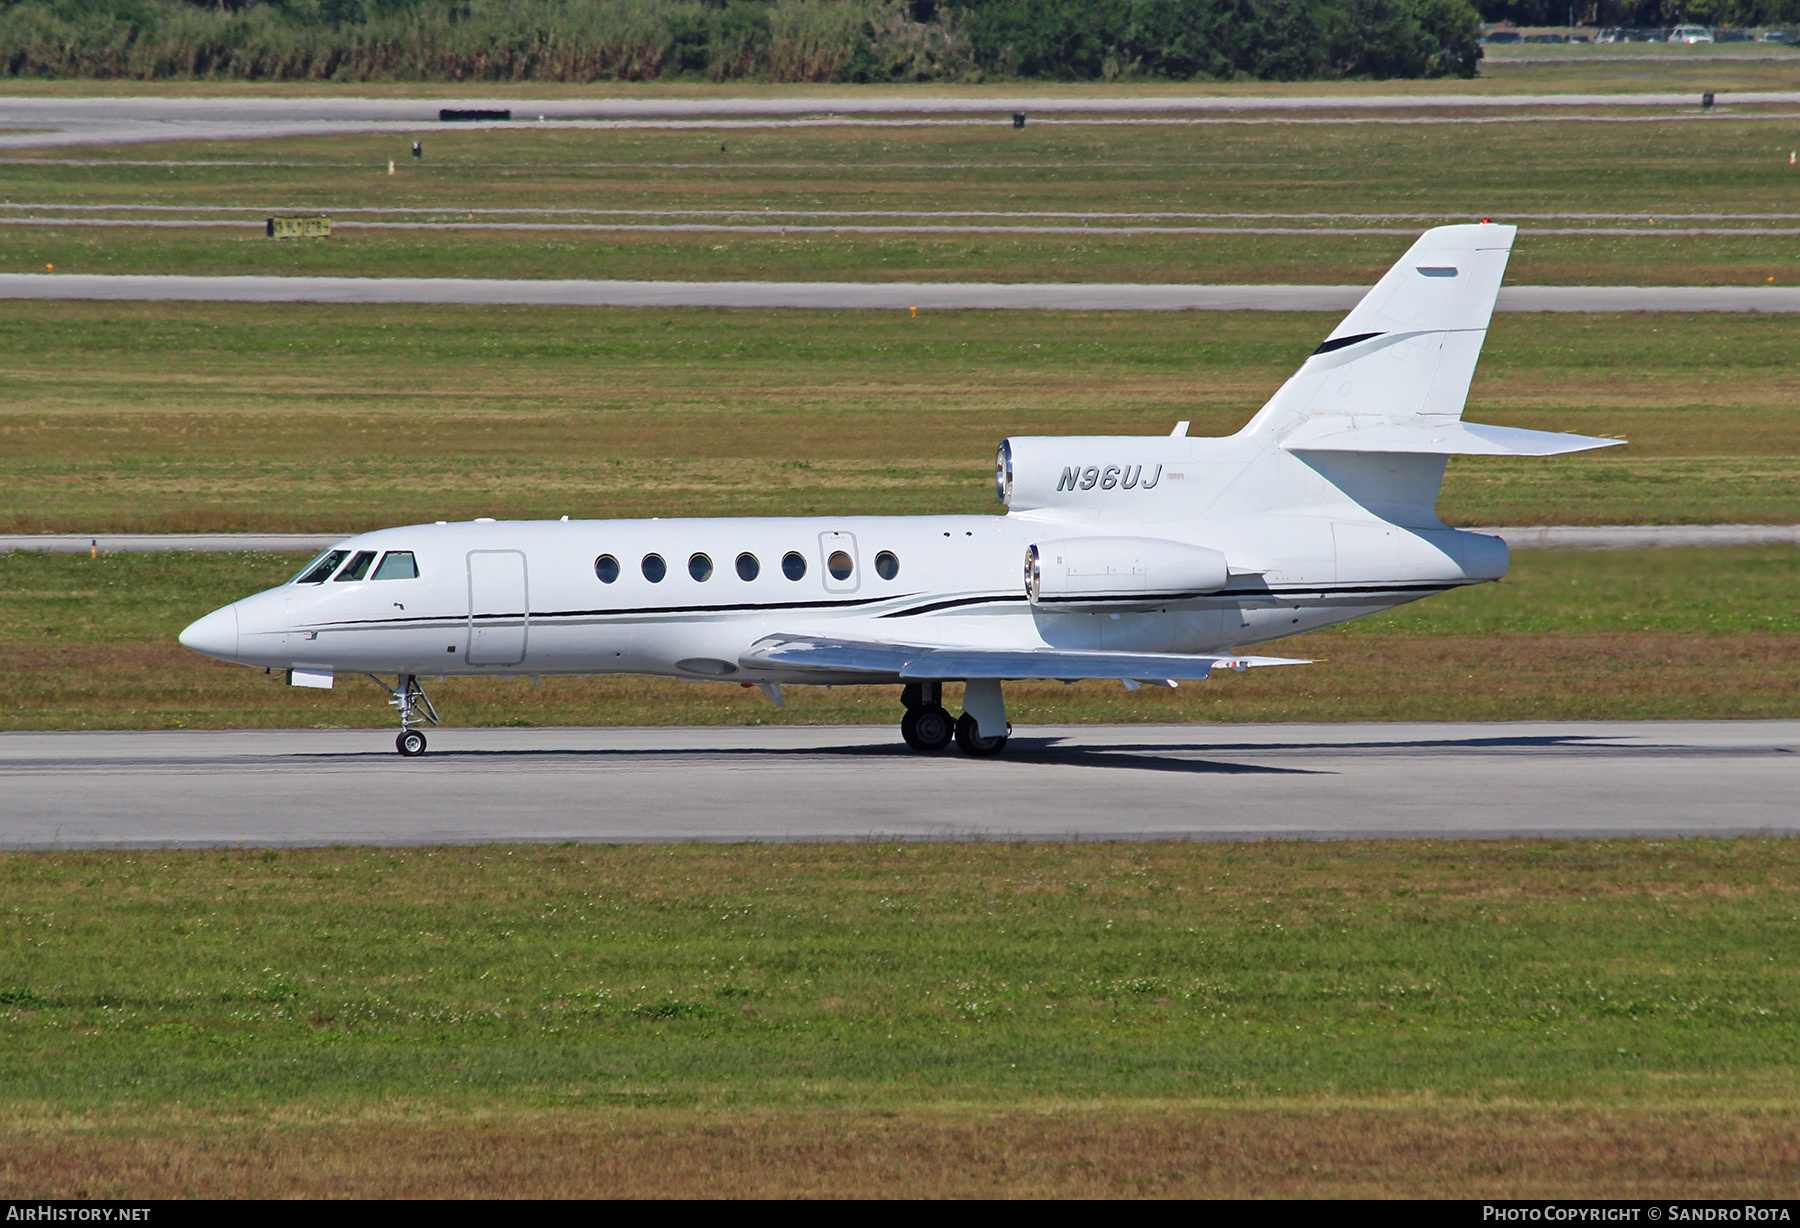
x=1200, y=782
x=893, y=296
x=40, y=123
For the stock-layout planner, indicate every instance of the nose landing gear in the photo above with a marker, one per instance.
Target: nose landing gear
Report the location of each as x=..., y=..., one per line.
x=926, y=726
x=409, y=699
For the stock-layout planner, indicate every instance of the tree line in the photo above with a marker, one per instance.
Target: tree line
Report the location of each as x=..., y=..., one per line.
x=739, y=40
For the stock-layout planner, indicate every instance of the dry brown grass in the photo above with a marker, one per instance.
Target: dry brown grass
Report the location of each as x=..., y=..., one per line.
x=1168, y=1151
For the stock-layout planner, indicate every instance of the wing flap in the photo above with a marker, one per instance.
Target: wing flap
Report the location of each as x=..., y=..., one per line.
x=924, y=663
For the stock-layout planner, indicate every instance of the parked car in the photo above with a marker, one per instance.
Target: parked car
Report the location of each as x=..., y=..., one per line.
x=1546, y=38
x=1505, y=36
x=1690, y=34
x=1733, y=36
x=1778, y=36
x=1613, y=34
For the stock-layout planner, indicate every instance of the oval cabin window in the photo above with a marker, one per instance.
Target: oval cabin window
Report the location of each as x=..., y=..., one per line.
x=607, y=568
x=887, y=565
x=700, y=567
x=793, y=565
x=654, y=568
x=747, y=567
x=839, y=565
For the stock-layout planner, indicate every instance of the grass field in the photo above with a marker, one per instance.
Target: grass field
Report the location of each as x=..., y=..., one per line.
x=1507, y=171
x=1601, y=1019
x=165, y=417
x=1568, y=635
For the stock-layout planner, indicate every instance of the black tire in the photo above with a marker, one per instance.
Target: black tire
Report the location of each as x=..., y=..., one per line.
x=411, y=743
x=970, y=741
x=927, y=728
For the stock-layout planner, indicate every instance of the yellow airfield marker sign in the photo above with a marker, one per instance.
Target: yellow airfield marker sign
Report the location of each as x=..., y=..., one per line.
x=299, y=228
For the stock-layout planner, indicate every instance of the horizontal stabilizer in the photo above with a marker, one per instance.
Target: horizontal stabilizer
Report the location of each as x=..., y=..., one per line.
x=1444, y=438
x=835, y=656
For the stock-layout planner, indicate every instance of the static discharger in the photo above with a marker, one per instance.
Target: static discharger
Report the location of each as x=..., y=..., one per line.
x=299, y=227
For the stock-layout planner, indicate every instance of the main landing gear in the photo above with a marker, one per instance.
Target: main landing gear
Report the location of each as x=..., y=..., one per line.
x=409, y=698
x=928, y=727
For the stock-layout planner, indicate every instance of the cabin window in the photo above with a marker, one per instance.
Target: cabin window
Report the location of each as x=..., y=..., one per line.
x=607, y=568
x=700, y=567
x=397, y=565
x=793, y=565
x=358, y=567
x=321, y=570
x=654, y=568
x=839, y=565
x=747, y=567
x=887, y=565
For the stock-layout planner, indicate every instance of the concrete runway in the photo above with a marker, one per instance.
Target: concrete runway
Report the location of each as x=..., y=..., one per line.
x=1156, y=782
x=1518, y=537
x=40, y=123
x=888, y=296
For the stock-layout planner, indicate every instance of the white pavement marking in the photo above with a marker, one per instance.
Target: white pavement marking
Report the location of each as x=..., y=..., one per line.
x=1518, y=537
x=1196, y=782
x=892, y=296
x=108, y=121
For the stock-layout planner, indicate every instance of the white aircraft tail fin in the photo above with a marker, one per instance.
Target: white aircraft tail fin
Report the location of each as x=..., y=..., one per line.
x=1374, y=412
x=1407, y=352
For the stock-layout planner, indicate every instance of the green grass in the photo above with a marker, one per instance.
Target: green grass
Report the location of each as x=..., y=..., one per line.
x=169, y=417
x=1569, y=635
x=1630, y=168
x=1602, y=1018
x=870, y=974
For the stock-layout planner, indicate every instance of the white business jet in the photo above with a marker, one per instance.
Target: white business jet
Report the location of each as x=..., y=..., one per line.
x=1151, y=560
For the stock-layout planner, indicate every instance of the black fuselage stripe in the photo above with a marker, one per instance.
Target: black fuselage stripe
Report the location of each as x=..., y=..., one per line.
x=734, y=608
x=1263, y=594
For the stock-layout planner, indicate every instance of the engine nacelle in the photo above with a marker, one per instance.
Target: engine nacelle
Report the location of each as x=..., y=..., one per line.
x=1119, y=572
x=1138, y=477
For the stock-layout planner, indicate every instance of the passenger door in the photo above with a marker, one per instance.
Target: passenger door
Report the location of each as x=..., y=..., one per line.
x=499, y=612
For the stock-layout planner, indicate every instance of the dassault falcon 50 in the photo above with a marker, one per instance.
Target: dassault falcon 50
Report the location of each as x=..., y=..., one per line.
x=1151, y=560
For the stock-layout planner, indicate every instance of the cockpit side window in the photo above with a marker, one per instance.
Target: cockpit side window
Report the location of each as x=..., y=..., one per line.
x=358, y=567
x=397, y=565
x=322, y=567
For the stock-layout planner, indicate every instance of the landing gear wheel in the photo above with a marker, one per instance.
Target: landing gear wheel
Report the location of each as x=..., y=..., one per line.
x=970, y=741
x=927, y=728
x=412, y=743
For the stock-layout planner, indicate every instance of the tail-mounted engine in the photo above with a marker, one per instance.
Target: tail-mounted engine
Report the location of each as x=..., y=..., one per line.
x=1135, y=477
x=1118, y=573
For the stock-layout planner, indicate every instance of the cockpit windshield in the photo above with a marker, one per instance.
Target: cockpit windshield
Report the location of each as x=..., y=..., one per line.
x=319, y=570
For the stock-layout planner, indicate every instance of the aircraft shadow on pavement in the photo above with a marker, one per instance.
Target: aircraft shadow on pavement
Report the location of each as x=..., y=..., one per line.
x=1047, y=751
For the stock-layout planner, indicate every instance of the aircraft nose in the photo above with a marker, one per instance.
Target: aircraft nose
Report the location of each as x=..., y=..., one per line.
x=216, y=635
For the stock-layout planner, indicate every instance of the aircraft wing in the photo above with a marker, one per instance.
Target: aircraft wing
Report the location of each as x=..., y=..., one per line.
x=908, y=661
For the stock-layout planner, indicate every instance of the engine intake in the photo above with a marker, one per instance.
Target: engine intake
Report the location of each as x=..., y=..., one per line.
x=1119, y=572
